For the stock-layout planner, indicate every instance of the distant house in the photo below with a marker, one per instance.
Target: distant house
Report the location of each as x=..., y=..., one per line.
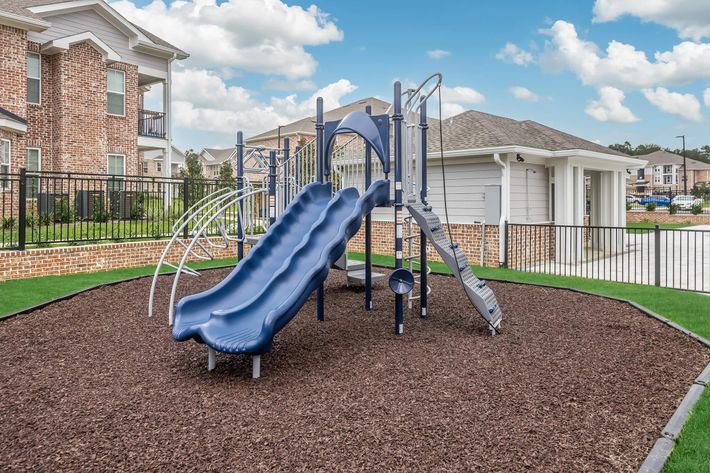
x=154, y=162
x=304, y=130
x=72, y=84
x=212, y=159
x=665, y=170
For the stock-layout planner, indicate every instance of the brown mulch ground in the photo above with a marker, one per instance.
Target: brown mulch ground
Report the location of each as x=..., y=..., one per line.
x=575, y=383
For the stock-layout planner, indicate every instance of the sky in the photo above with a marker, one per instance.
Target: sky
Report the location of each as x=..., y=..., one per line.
x=605, y=70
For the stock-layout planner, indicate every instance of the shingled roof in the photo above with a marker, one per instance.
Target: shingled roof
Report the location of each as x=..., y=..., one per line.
x=474, y=130
x=20, y=8
x=307, y=125
x=466, y=131
x=661, y=157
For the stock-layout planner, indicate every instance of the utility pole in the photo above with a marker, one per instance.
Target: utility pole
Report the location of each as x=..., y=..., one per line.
x=685, y=168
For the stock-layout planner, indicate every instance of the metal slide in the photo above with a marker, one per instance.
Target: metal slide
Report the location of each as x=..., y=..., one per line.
x=265, y=291
x=480, y=295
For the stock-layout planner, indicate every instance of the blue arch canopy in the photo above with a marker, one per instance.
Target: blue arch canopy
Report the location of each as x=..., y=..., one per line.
x=373, y=129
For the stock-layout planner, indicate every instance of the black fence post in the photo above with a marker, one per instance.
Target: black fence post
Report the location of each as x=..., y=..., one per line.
x=185, y=205
x=657, y=255
x=505, y=244
x=22, y=217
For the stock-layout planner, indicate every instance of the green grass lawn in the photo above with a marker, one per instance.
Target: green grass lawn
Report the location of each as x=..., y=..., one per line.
x=692, y=453
x=647, y=223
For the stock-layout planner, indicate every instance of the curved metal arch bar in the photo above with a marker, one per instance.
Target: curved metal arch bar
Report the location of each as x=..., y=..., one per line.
x=194, y=240
x=207, y=207
x=418, y=103
x=363, y=125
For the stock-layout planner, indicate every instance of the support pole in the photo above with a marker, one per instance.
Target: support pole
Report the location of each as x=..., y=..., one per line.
x=287, y=193
x=368, y=225
x=211, y=359
x=397, y=119
x=272, y=187
x=256, y=366
x=240, y=186
x=422, y=164
x=297, y=165
x=320, y=302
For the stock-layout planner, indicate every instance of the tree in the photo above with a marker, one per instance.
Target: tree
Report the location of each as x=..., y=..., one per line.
x=226, y=176
x=192, y=171
x=193, y=166
x=624, y=148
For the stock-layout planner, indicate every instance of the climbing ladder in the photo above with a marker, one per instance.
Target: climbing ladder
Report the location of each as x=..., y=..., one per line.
x=413, y=260
x=480, y=295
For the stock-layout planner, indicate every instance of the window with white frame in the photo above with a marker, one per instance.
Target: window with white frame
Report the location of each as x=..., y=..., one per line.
x=115, y=92
x=34, y=78
x=4, y=162
x=667, y=169
x=158, y=166
x=117, y=169
x=34, y=165
x=668, y=179
x=145, y=167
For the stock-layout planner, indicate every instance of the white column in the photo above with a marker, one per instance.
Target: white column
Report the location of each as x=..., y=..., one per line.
x=168, y=153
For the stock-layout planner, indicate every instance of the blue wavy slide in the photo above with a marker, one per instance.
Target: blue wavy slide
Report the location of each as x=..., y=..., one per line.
x=267, y=288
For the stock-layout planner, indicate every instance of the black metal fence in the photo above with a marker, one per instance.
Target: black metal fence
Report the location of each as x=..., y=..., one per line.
x=675, y=258
x=42, y=208
x=660, y=198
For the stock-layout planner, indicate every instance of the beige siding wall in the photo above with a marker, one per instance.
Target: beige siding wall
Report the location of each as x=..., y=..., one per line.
x=79, y=22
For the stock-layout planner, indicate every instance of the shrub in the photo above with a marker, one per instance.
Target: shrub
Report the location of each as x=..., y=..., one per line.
x=100, y=214
x=8, y=223
x=696, y=209
x=44, y=219
x=31, y=220
x=651, y=206
x=673, y=209
x=62, y=212
x=628, y=205
x=137, y=211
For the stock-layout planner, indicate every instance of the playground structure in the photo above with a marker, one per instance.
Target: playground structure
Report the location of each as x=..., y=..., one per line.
x=310, y=205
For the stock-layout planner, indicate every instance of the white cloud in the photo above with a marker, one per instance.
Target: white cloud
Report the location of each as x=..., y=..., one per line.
x=202, y=101
x=623, y=66
x=263, y=36
x=523, y=93
x=511, y=53
x=684, y=105
x=455, y=100
x=609, y=107
x=438, y=53
x=691, y=18
x=706, y=97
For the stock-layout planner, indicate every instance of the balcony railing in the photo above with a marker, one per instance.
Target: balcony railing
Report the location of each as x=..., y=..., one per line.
x=151, y=124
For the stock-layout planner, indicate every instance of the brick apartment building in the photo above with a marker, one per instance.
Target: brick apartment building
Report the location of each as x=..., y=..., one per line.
x=665, y=170
x=71, y=91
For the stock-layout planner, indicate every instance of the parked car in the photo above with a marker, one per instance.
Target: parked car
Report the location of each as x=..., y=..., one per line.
x=632, y=199
x=660, y=200
x=686, y=202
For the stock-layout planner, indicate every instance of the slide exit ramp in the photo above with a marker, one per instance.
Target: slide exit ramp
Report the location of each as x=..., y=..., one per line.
x=480, y=295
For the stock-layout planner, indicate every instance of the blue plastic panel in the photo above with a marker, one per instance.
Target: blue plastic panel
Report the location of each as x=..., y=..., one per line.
x=267, y=289
x=372, y=128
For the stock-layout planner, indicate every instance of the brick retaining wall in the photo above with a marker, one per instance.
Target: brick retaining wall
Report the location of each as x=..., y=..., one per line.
x=467, y=236
x=90, y=258
x=662, y=216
